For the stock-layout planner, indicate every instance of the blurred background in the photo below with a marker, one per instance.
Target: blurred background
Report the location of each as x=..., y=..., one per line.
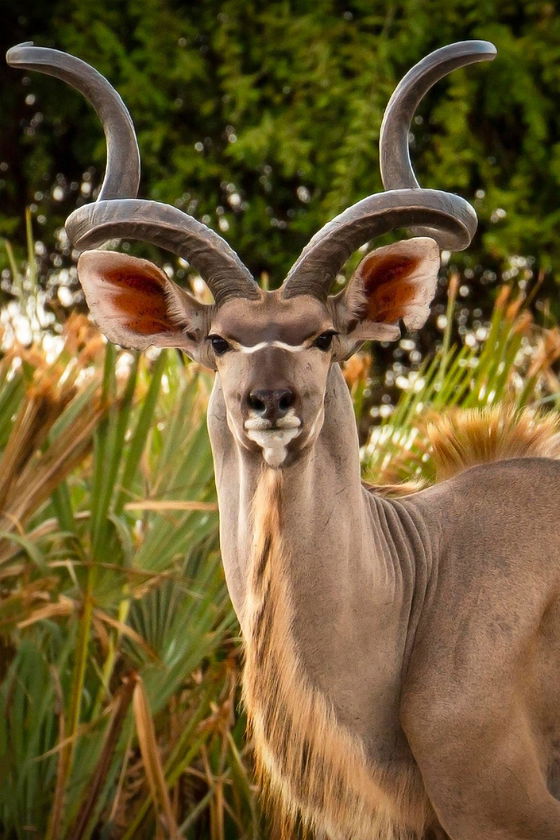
x=263, y=122
x=119, y=652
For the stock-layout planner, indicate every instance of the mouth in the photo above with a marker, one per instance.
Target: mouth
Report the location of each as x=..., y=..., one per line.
x=273, y=440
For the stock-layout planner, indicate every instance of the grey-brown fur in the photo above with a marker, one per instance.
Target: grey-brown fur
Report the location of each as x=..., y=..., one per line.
x=430, y=623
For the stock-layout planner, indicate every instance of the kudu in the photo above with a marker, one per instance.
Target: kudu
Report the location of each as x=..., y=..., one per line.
x=402, y=674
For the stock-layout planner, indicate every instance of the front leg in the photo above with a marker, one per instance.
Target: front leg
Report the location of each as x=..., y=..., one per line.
x=484, y=778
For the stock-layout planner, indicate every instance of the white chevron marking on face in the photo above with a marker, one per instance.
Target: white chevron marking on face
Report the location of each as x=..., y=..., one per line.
x=291, y=348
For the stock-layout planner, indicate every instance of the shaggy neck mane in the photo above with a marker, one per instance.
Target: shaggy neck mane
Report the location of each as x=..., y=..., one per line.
x=311, y=769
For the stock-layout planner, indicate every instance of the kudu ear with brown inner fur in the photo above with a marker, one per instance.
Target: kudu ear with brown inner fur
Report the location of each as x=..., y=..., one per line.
x=136, y=305
x=392, y=284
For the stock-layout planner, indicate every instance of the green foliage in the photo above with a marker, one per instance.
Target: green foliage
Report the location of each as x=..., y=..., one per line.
x=511, y=367
x=264, y=120
x=118, y=661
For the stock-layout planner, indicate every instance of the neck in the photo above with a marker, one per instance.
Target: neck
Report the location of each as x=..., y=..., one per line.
x=324, y=481
x=323, y=604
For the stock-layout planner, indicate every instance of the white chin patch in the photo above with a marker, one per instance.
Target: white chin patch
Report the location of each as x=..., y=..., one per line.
x=274, y=443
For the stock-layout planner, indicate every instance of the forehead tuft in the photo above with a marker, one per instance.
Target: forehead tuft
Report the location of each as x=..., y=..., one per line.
x=272, y=318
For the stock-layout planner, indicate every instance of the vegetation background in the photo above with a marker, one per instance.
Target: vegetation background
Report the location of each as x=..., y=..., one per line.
x=118, y=647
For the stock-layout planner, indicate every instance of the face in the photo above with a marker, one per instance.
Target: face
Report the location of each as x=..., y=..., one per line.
x=273, y=357
x=272, y=352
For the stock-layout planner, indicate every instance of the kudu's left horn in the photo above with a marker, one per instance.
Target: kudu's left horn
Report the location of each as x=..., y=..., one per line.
x=117, y=212
x=446, y=217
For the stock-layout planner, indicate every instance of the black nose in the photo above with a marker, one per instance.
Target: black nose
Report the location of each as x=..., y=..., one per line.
x=271, y=405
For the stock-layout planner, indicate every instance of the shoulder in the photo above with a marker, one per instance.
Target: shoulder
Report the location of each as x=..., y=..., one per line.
x=487, y=478
x=499, y=498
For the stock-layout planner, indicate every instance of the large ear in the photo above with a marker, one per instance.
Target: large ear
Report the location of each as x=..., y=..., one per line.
x=135, y=304
x=392, y=284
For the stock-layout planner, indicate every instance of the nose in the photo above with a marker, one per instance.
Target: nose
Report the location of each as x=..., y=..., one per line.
x=271, y=405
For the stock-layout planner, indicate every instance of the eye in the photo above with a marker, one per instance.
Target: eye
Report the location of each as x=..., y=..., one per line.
x=219, y=344
x=324, y=341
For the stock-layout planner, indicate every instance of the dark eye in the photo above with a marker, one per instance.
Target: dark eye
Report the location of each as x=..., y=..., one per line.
x=219, y=345
x=324, y=341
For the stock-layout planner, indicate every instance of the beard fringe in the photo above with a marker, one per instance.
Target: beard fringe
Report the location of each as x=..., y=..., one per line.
x=313, y=774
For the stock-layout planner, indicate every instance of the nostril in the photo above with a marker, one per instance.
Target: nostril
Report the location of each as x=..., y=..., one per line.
x=286, y=399
x=272, y=404
x=256, y=403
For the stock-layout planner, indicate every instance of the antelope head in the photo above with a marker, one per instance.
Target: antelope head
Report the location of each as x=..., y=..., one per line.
x=272, y=350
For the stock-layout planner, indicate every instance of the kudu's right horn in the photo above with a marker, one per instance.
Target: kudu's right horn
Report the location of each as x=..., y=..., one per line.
x=117, y=212
x=446, y=217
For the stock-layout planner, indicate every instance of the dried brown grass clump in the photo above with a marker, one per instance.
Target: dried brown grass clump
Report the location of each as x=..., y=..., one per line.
x=395, y=491
x=461, y=438
x=464, y=438
x=35, y=457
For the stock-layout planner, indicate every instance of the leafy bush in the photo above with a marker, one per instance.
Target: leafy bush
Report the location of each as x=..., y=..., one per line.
x=264, y=120
x=118, y=655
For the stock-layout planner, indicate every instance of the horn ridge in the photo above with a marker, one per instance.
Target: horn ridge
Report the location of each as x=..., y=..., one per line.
x=168, y=227
x=320, y=261
x=122, y=173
